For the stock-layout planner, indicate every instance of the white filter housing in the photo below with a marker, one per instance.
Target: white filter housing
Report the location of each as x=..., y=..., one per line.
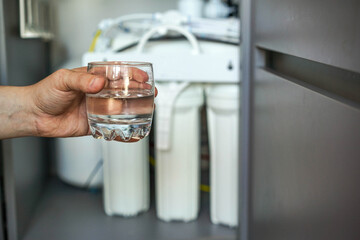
x=192, y=8
x=223, y=120
x=178, y=166
x=216, y=9
x=126, y=177
x=79, y=161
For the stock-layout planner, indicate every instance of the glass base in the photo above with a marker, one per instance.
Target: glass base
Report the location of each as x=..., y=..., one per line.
x=120, y=132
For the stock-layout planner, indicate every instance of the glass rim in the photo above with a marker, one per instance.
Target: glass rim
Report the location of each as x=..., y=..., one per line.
x=119, y=63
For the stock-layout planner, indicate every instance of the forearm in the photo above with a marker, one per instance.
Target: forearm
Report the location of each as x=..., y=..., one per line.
x=16, y=117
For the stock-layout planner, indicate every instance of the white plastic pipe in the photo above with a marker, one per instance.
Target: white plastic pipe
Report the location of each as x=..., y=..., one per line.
x=162, y=30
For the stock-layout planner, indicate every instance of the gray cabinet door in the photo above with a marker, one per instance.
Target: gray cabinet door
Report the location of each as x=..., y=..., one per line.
x=305, y=163
x=300, y=119
x=326, y=31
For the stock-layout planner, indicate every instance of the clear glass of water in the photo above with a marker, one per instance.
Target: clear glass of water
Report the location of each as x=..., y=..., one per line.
x=123, y=110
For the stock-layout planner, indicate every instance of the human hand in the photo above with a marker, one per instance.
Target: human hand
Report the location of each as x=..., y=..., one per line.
x=53, y=107
x=59, y=101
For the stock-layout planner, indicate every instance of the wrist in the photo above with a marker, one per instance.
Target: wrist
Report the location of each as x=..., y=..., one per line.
x=29, y=111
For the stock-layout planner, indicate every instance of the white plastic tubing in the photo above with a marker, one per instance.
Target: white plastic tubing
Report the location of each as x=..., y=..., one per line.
x=222, y=28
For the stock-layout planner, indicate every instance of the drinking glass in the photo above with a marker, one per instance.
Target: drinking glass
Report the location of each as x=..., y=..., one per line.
x=123, y=110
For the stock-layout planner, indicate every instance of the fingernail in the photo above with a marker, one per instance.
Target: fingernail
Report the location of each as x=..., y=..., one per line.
x=93, y=82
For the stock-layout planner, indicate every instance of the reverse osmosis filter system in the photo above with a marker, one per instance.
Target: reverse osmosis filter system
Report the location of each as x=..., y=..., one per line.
x=196, y=64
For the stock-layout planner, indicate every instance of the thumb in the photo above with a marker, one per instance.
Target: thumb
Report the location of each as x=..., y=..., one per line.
x=69, y=80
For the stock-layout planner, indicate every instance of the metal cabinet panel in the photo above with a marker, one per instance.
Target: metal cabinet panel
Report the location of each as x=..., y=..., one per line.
x=305, y=163
x=326, y=31
x=23, y=62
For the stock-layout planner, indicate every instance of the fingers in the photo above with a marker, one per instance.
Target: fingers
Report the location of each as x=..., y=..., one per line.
x=125, y=84
x=77, y=80
x=131, y=140
x=118, y=72
x=96, y=85
x=139, y=75
x=80, y=69
x=136, y=74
